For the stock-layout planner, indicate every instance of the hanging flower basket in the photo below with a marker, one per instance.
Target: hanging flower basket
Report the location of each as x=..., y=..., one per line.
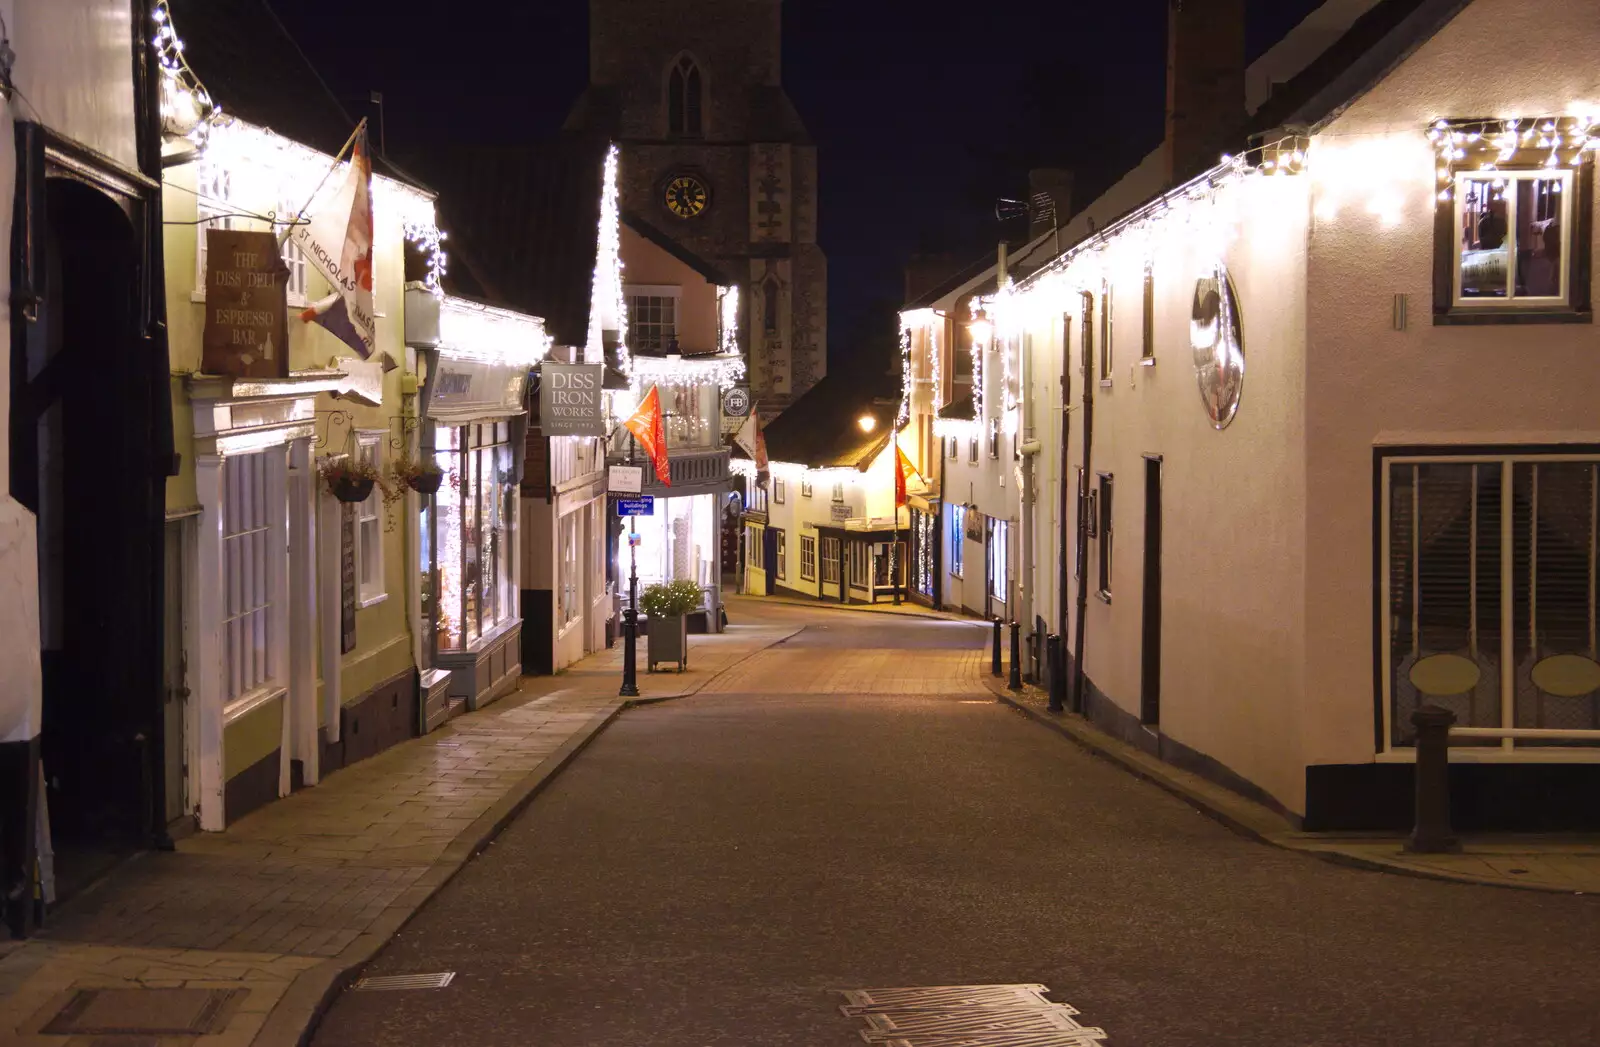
x=421, y=476
x=349, y=480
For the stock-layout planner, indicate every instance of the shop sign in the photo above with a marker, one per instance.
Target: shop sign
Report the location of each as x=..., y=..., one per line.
x=569, y=399
x=735, y=408
x=644, y=505
x=476, y=386
x=626, y=479
x=246, y=333
x=840, y=513
x=974, y=524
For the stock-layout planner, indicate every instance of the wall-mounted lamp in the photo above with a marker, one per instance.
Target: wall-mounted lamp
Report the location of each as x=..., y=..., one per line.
x=982, y=330
x=867, y=423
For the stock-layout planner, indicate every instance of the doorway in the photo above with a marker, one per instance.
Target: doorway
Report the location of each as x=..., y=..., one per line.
x=1150, y=633
x=174, y=675
x=83, y=452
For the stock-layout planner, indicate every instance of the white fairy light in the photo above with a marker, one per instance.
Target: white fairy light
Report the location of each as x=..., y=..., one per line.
x=728, y=311
x=722, y=370
x=486, y=334
x=607, y=310
x=187, y=109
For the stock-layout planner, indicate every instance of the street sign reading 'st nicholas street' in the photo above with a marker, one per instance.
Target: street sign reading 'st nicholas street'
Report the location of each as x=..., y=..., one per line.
x=569, y=399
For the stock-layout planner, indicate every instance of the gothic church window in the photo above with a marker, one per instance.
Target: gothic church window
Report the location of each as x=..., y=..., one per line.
x=685, y=99
x=769, y=305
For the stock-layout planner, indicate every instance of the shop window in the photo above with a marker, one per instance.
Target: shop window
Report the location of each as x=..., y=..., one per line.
x=1489, y=602
x=830, y=560
x=808, y=558
x=958, y=539
x=783, y=554
x=570, y=584
x=889, y=569
x=999, y=535
x=860, y=564
x=652, y=321
x=924, y=533
x=1104, y=536
x=249, y=570
x=475, y=507
x=369, y=524
x=779, y=491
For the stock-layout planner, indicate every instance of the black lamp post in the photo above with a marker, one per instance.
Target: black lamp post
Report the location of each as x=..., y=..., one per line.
x=630, y=617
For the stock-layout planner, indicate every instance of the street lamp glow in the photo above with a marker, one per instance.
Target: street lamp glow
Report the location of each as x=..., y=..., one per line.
x=982, y=330
x=867, y=423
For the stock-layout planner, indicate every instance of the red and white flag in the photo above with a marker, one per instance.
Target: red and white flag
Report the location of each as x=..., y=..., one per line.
x=338, y=241
x=753, y=440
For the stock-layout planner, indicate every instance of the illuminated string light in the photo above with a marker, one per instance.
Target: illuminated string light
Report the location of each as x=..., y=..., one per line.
x=187, y=109
x=430, y=239
x=728, y=311
x=486, y=334
x=722, y=370
x=607, y=309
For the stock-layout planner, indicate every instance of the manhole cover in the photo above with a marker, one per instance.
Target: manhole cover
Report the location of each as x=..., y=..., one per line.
x=967, y=1016
x=405, y=981
x=941, y=997
x=145, y=1012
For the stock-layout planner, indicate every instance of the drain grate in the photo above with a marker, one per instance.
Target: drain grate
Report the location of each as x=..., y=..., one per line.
x=145, y=1012
x=967, y=1016
x=437, y=980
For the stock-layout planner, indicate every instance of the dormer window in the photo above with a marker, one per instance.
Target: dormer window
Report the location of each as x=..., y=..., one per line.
x=685, y=99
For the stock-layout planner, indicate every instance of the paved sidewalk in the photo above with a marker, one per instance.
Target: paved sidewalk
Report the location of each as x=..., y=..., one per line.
x=1568, y=864
x=293, y=898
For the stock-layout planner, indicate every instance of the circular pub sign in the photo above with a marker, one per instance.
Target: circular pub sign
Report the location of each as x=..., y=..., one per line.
x=736, y=402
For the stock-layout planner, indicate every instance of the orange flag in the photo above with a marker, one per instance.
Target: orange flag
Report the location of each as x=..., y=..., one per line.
x=646, y=427
x=902, y=469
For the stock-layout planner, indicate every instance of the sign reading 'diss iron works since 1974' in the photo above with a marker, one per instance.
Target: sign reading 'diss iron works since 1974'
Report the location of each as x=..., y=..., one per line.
x=247, y=332
x=569, y=399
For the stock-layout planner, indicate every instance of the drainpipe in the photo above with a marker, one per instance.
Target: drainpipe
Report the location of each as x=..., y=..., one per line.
x=1087, y=341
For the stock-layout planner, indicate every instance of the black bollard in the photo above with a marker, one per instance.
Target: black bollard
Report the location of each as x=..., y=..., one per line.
x=1432, y=832
x=1056, y=666
x=994, y=661
x=1015, y=683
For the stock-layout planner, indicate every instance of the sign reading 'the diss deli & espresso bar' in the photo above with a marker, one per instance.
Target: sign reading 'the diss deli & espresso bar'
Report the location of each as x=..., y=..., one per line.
x=247, y=331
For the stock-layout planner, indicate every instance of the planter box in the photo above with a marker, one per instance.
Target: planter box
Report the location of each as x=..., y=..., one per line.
x=668, y=641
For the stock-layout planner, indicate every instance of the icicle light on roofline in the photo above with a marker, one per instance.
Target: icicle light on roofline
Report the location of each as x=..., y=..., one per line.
x=186, y=105
x=607, y=309
x=793, y=471
x=728, y=314
x=482, y=333
x=960, y=428
x=724, y=370
x=430, y=239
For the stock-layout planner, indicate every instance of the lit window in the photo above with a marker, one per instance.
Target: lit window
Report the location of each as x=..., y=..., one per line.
x=369, y=525
x=958, y=539
x=1512, y=245
x=999, y=575
x=653, y=323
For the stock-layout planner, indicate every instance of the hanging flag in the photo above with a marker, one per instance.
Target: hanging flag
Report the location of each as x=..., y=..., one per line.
x=753, y=441
x=338, y=241
x=646, y=427
x=903, y=469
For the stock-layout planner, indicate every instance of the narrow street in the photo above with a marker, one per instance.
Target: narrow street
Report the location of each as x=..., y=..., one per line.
x=850, y=809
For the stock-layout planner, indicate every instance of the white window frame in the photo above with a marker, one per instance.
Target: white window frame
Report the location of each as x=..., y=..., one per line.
x=1105, y=507
x=216, y=209
x=569, y=535
x=808, y=557
x=1508, y=751
x=369, y=515
x=779, y=493
x=999, y=560
x=672, y=291
x=830, y=562
x=782, y=543
x=254, y=569
x=805, y=489
x=1565, y=176
x=838, y=493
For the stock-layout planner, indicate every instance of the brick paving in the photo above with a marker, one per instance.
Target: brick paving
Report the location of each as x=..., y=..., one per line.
x=309, y=886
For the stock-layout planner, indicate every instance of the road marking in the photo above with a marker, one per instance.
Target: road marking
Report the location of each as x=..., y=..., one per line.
x=405, y=981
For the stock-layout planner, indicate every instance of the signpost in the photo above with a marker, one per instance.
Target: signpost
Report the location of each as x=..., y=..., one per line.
x=246, y=333
x=569, y=399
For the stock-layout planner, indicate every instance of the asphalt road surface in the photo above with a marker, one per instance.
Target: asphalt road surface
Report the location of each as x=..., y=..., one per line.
x=849, y=810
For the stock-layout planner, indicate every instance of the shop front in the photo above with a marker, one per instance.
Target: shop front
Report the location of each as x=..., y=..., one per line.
x=475, y=432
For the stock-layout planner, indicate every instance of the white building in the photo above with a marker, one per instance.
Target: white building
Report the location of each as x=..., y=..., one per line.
x=1343, y=454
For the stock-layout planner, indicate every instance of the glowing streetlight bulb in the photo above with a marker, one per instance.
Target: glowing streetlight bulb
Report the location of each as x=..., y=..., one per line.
x=867, y=423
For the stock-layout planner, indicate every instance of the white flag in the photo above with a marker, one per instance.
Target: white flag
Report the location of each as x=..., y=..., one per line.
x=338, y=241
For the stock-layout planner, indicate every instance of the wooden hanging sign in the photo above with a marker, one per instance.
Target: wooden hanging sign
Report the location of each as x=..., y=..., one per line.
x=247, y=329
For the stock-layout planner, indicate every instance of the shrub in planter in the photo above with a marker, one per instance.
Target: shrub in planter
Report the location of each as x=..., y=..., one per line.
x=350, y=479
x=668, y=628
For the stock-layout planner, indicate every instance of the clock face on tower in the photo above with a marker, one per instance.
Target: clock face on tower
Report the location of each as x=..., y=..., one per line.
x=686, y=195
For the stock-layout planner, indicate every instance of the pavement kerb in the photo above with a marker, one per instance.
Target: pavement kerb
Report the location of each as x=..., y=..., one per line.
x=294, y=1018
x=1242, y=815
x=823, y=605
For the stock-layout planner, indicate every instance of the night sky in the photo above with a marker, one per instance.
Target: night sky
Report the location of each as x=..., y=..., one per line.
x=922, y=121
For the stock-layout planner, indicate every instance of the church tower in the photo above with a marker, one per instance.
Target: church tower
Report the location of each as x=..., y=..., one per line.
x=715, y=157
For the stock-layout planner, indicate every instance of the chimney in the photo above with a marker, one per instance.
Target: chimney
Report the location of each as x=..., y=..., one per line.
x=1205, y=84
x=1049, y=199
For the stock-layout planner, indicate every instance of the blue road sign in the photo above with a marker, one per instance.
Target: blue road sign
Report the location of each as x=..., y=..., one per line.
x=644, y=505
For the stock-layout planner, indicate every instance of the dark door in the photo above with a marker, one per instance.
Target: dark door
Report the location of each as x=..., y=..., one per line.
x=1150, y=644
x=174, y=670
